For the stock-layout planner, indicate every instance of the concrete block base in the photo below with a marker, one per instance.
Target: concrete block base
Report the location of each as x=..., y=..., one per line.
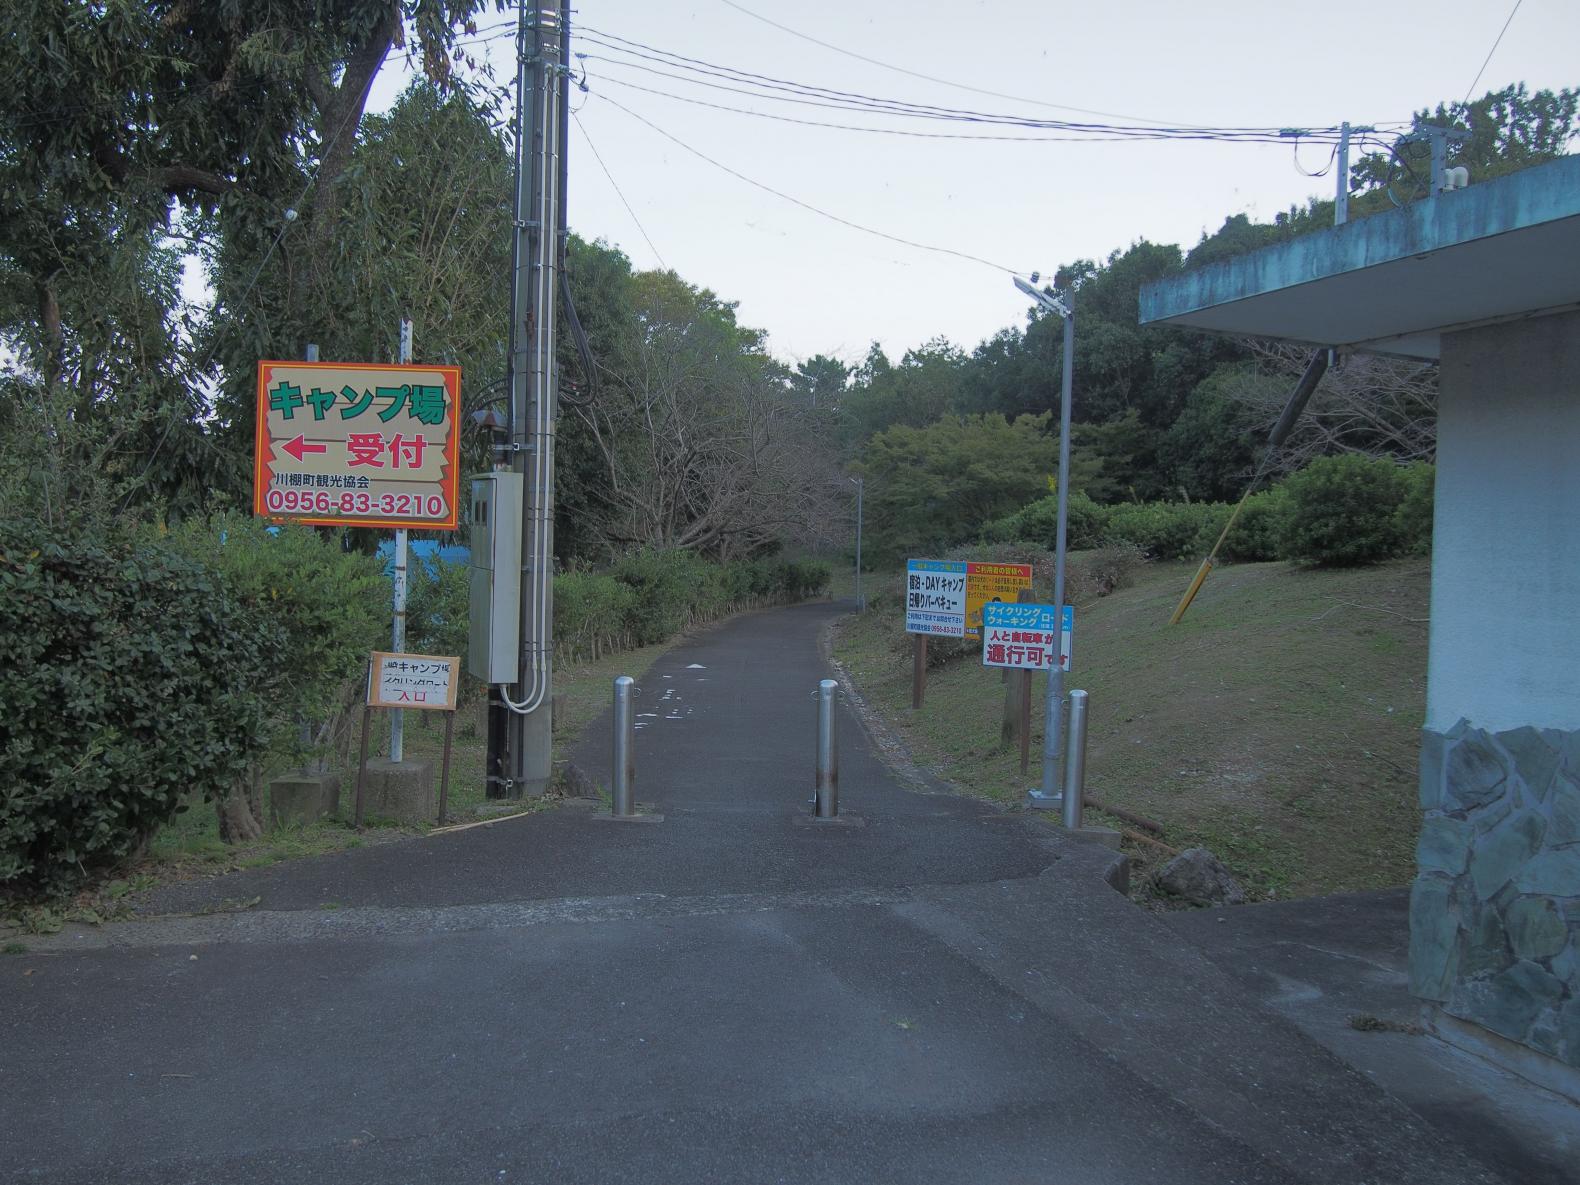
x=843, y=819
x=303, y=798
x=1106, y=836
x=639, y=817
x=402, y=791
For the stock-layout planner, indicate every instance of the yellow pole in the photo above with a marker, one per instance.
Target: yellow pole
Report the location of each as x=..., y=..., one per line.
x=1206, y=565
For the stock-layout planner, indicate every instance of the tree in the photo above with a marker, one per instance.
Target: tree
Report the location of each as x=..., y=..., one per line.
x=820, y=381
x=1510, y=129
x=925, y=385
x=930, y=488
x=697, y=440
x=139, y=117
x=1370, y=405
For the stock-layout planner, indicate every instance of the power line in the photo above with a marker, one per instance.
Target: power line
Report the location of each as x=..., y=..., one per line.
x=1490, y=52
x=598, y=156
x=849, y=53
x=806, y=205
x=970, y=136
x=852, y=100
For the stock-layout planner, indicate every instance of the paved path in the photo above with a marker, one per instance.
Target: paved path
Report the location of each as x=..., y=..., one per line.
x=944, y=995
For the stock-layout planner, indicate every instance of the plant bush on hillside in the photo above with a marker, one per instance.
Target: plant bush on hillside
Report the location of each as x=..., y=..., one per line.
x=1254, y=538
x=1343, y=511
x=1085, y=523
x=134, y=678
x=1164, y=530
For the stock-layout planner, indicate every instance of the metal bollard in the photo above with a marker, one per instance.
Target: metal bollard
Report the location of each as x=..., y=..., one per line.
x=1075, y=762
x=623, y=768
x=827, y=751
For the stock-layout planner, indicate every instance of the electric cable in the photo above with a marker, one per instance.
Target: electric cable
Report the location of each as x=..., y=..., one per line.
x=818, y=123
x=806, y=205
x=598, y=156
x=856, y=100
x=928, y=77
x=1499, y=41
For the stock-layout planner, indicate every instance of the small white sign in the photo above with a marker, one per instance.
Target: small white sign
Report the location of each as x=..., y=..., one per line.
x=423, y=682
x=935, y=597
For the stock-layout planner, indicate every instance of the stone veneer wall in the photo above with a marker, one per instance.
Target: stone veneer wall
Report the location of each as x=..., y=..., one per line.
x=1495, y=909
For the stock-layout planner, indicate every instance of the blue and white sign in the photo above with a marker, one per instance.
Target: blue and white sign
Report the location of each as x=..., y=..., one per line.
x=935, y=597
x=1027, y=637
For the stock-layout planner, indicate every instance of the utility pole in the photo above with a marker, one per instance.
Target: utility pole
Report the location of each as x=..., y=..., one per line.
x=520, y=724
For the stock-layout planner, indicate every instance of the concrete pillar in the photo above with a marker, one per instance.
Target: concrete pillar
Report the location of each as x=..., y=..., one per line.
x=1495, y=909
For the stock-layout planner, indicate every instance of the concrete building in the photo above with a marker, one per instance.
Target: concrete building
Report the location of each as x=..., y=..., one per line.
x=1487, y=280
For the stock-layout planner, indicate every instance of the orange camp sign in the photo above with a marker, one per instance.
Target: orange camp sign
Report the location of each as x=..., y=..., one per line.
x=358, y=444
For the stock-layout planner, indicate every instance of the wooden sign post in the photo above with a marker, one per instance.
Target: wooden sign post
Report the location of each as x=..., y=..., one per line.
x=420, y=682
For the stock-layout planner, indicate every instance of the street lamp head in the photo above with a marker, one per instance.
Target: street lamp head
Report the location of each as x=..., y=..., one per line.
x=1051, y=302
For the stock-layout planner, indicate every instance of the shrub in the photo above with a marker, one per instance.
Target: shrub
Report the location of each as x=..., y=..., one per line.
x=1260, y=527
x=592, y=614
x=134, y=677
x=1256, y=531
x=1163, y=530
x=663, y=584
x=438, y=607
x=1413, y=519
x=332, y=605
x=1342, y=511
x=1085, y=523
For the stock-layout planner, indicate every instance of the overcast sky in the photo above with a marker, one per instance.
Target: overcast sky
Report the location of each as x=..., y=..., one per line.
x=820, y=287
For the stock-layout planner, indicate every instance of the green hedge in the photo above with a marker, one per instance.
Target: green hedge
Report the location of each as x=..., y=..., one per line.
x=1164, y=530
x=1343, y=511
x=134, y=677
x=1086, y=523
x=1338, y=510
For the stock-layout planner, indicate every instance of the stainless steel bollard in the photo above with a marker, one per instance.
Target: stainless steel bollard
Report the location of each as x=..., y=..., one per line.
x=1075, y=762
x=623, y=769
x=827, y=751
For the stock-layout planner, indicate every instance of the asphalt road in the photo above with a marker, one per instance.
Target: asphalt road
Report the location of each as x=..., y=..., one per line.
x=946, y=994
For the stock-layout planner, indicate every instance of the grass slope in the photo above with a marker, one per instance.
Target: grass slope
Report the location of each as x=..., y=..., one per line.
x=1276, y=725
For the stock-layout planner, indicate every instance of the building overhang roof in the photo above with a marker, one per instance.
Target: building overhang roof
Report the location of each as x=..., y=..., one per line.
x=1396, y=282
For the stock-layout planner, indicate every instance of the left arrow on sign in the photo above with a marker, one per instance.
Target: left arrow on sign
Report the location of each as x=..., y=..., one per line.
x=300, y=445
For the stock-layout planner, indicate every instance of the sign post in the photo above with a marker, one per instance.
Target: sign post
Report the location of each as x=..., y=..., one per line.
x=935, y=605
x=420, y=682
x=1028, y=637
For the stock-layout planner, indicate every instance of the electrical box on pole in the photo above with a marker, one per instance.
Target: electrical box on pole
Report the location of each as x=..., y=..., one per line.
x=494, y=647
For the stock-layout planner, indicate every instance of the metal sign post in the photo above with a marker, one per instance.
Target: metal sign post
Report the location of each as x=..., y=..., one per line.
x=1064, y=305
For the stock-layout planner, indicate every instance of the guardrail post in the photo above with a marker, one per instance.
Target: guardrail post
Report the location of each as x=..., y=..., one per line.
x=1075, y=762
x=623, y=769
x=827, y=751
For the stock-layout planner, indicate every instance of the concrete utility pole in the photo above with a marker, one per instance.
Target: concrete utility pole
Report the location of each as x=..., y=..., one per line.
x=520, y=723
x=1053, y=724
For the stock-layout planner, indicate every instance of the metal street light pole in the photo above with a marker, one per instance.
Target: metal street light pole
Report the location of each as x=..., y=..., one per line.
x=860, y=489
x=1053, y=723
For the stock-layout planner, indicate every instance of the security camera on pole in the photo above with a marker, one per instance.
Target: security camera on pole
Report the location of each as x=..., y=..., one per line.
x=1048, y=796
